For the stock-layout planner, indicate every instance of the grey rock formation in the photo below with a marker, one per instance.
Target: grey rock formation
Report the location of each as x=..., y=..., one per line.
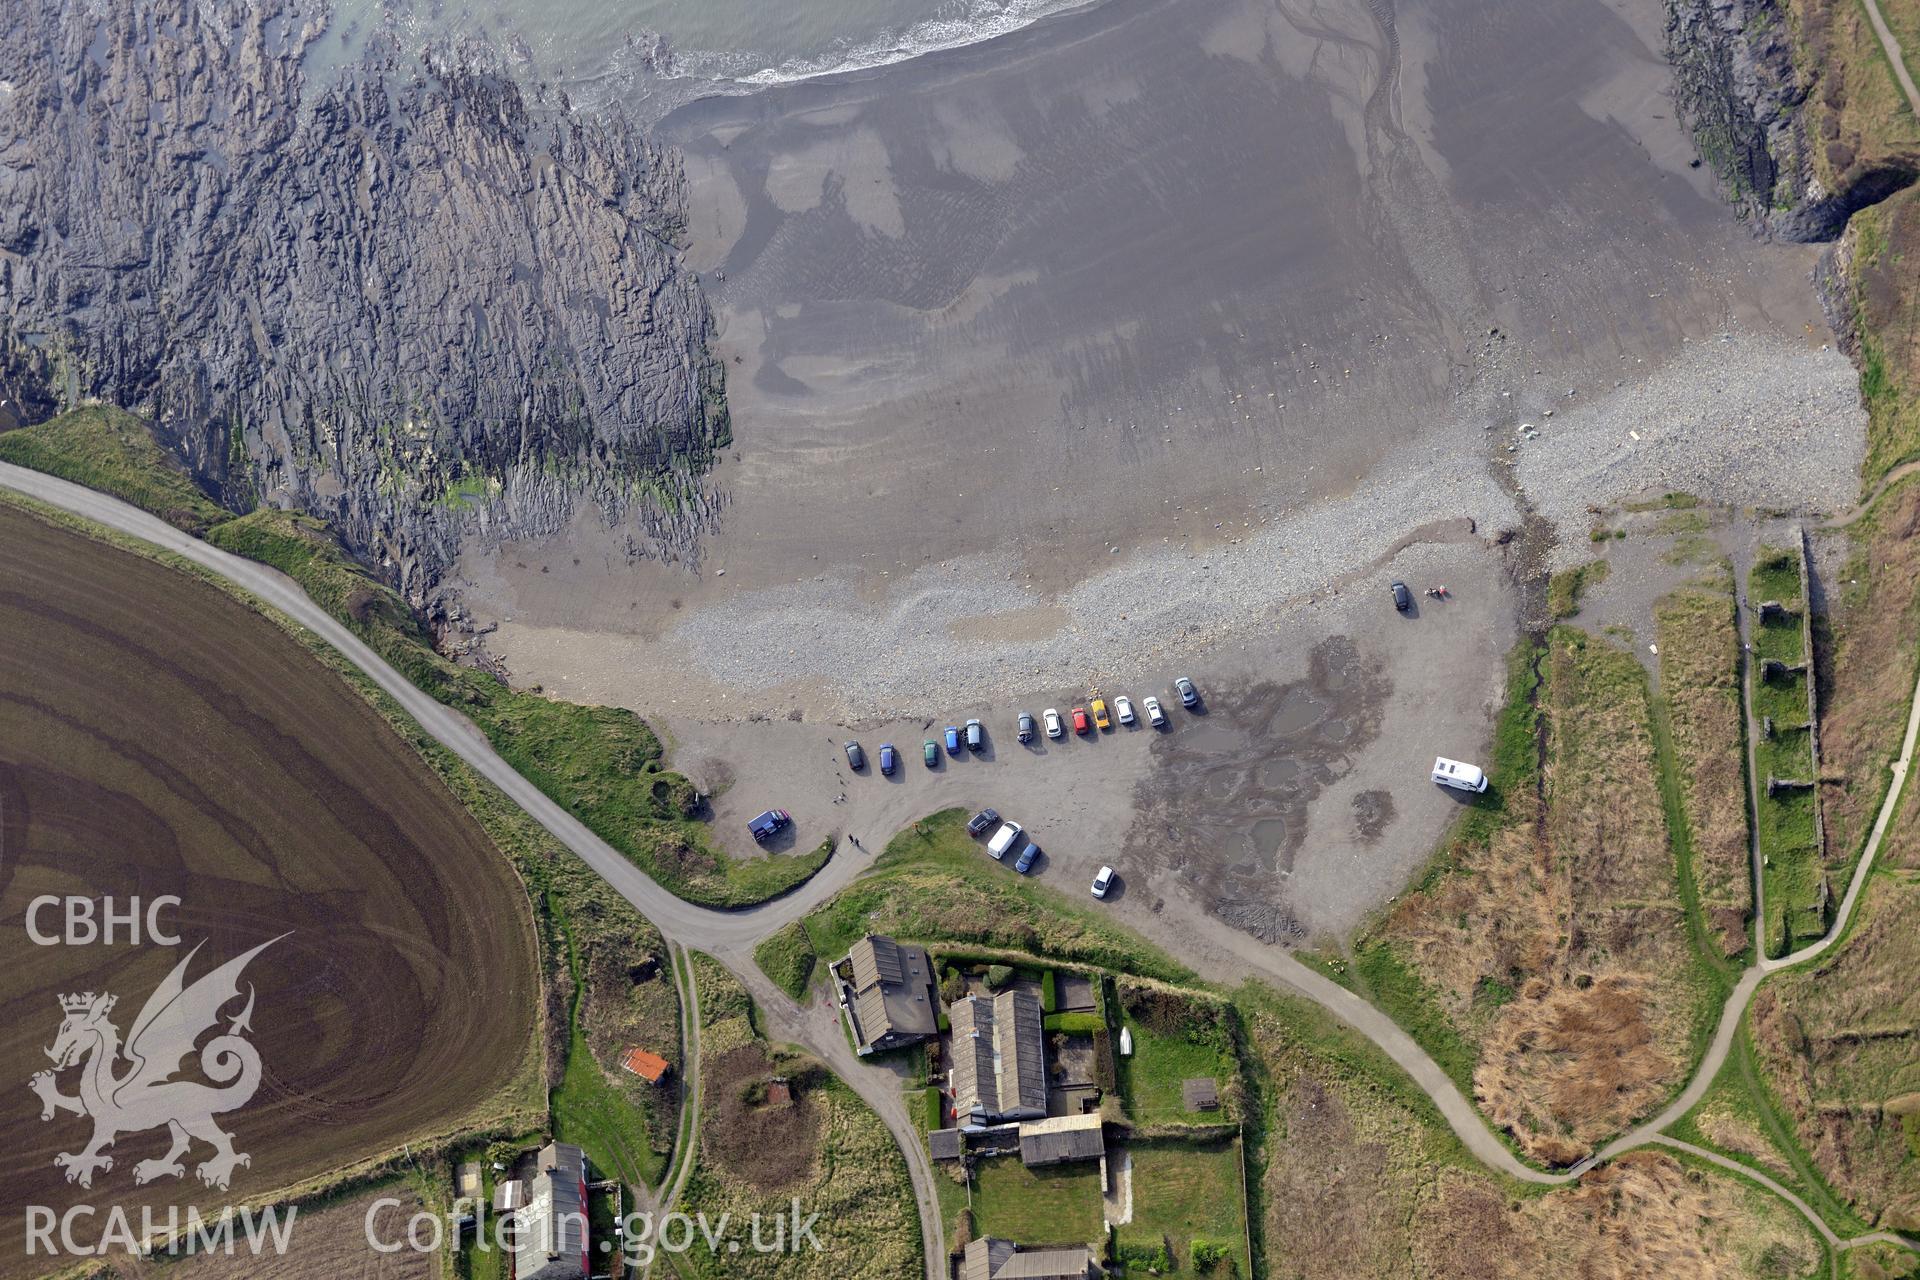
x=409, y=299
x=1738, y=87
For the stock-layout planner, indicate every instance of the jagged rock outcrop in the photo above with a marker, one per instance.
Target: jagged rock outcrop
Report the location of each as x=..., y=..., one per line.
x=1757, y=115
x=406, y=298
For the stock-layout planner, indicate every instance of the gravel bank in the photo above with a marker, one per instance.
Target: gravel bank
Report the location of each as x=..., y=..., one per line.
x=1157, y=604
x=1744, y=420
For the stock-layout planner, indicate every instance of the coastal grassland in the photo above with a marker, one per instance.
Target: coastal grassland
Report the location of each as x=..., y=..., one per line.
x=1549, y=955
x=602, y=764
x=1408, y=1201
x=787, y=957
x=1867, y=645
x=825, y=1147
x=1742, y=1117
x=1879, y=1262
x=160, y=737
x=932, y=885
x=1840, y=1044
x=1700, y=689
x=1565, y=588
x=1057, y=1205
x=1794, y=880
x=1886, y=321
x=1189, y=1198
x=1176, y=1037
x=113, y=451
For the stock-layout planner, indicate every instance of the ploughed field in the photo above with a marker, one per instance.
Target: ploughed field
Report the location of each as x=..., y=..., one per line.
x=158, y=737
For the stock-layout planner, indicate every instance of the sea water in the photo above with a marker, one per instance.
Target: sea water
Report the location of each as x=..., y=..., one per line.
x=666, y=51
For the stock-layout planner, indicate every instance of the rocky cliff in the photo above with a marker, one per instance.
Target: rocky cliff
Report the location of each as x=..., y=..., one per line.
x=410, y=299
x=1764, y=85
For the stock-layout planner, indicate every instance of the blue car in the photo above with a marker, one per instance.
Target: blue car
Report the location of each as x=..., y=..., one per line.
x=886, y=758
x=953, y=740
x=1027, y=856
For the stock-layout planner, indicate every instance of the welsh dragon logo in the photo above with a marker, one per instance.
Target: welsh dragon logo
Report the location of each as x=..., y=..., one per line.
x=130, y=1088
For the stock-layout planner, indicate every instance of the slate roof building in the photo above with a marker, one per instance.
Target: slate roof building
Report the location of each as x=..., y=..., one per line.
x=990, y=1258
x=550, y=1228
x=890, y=999
x=1062, y=1140
x=999, y=1060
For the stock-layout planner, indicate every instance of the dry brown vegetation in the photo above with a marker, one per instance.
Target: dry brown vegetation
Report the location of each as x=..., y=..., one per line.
x=1699, y=678
x=1560, y=946
x=1841, y=1043
x=1866, y=676
x=825, y=1147
x=1857, y=119
x=1357, y=1184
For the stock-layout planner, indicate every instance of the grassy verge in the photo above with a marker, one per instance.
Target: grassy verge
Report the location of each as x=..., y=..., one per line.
x=1565, y=588
x=933, y=884
x=602, y=764
x=111, y=450
x=788, y=959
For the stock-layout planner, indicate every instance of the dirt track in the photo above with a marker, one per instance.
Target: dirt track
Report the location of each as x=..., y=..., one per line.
x=158, y=737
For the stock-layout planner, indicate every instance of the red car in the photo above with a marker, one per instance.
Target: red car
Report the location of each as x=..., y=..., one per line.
x=1080, y=722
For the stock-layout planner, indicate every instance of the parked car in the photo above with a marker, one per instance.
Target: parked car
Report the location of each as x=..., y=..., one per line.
x=1003, y=839
x=888, y=758
x=982, y=822
x=1460, y=776
x=1027, y=856
x=1123, y=709
x=1189, y=696
x=953, y=740
x=976, y=735
x=1055, y=729
x=1402, y=598
x=1100, y=717
x=1103, y=882
x=856, y=758
x=1155, y=716
x=1026, y=727
x=930, y=752
x=1080, y=722
x=768, y=825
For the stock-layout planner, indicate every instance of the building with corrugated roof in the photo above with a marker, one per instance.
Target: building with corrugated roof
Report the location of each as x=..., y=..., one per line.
x=549, y=1239
x=990, y=1258
x=999, y=1060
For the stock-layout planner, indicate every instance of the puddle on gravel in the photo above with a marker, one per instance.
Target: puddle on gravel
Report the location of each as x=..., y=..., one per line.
x=1225, y=807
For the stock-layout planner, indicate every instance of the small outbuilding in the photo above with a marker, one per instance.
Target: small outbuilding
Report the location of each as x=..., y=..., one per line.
x=1200, y=1094
x=1062, y=1140
x=946, y=1144
x=649, y=1066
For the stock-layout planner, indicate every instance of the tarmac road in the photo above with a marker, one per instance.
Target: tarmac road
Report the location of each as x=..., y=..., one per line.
x=730, y=935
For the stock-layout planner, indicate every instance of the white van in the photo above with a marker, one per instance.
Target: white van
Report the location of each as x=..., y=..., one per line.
x=1459, y=775
x=1003, y=840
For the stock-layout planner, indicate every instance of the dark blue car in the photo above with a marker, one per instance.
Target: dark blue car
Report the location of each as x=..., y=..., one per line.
x=886, y=758
x=953, y=740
